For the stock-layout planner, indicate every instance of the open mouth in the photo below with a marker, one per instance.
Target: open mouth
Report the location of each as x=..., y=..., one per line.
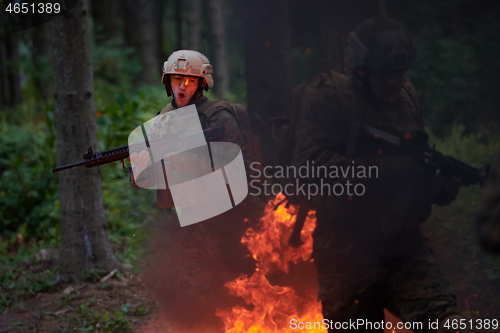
x=181, y=96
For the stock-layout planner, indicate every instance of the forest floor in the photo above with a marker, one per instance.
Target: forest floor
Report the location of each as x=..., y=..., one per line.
x=31, y=301
x=112, y=303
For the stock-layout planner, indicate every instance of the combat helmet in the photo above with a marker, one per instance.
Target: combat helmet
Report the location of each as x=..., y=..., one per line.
x=382, y=44
x=187, y=62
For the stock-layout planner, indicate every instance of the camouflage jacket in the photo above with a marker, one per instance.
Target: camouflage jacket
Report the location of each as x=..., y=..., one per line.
x=397, y=193
x=355, y=233
x=222, y=116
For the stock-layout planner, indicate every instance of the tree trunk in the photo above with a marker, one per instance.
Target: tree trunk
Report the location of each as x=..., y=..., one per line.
x=130, y=23
x=216, y=9
x=13, y=63
x=4, y=81
x=268, y=65
x=10, y=80
x=178, y=23
x=159, y=15
x=107, y=15
x=42, y=56
x=336, y=19
x=140, y=35
x=42, y=43
x=84, y=237
x=151, y=71
x=193, y=20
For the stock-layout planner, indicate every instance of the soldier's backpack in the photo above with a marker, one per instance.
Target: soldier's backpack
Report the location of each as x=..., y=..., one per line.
x=301, y=100
x=252, y=153
x=301, y=96
x=289, y=124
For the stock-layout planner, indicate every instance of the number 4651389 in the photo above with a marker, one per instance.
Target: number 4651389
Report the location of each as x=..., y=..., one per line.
x=40, y=8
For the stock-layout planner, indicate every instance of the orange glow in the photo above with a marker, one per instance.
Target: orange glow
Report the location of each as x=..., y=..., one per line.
x=272, y=307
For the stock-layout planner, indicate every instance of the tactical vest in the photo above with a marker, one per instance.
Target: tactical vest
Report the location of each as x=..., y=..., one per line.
x=343, y=85
x=350, y=102
x=207, y=109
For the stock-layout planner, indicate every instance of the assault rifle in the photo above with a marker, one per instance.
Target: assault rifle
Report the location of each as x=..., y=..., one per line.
x=91, y=159
x=367, y=138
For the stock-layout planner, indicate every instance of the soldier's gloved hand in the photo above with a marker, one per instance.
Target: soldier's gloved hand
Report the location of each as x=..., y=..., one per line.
x=445, y=189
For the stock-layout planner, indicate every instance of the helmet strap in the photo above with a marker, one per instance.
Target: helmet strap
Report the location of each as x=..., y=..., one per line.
x=168, y=89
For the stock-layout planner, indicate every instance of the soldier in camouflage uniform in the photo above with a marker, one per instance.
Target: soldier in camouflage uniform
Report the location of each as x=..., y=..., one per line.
x=186, y=74
x=489, y=212
x=191, y=264
x=369, y=250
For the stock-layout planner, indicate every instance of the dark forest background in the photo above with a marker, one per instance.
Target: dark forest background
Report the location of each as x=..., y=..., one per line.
x=260, y=50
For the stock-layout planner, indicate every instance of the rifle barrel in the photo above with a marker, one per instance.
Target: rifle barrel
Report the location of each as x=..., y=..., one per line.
x=120, y=153
x=68, y=166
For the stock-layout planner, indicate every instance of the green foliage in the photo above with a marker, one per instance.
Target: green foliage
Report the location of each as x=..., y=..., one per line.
x=37, y=73
x=469, y=148
x=29, y=199
x=94, y=275
x=455, y=73
x=127, y=208
x=16, y=285
x=117, y=117
x=452, y=230
x=457, y=65
x=114, y=65
x=29, y=196
x=93, y=321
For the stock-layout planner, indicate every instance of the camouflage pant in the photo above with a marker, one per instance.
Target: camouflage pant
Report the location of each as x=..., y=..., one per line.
x=412, y=287
x=189, y=266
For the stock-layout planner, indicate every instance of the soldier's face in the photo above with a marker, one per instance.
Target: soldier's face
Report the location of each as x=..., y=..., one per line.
x=183, y=89
x=386, y=87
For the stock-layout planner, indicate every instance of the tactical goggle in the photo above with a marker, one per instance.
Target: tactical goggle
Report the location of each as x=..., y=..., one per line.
x=179, y=79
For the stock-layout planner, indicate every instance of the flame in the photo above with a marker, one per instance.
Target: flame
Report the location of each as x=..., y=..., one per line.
x=273, y=307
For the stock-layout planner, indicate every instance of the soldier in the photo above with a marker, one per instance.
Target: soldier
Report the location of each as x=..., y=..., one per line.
x=369, y=250
x=191, y=264
x=186, y=74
